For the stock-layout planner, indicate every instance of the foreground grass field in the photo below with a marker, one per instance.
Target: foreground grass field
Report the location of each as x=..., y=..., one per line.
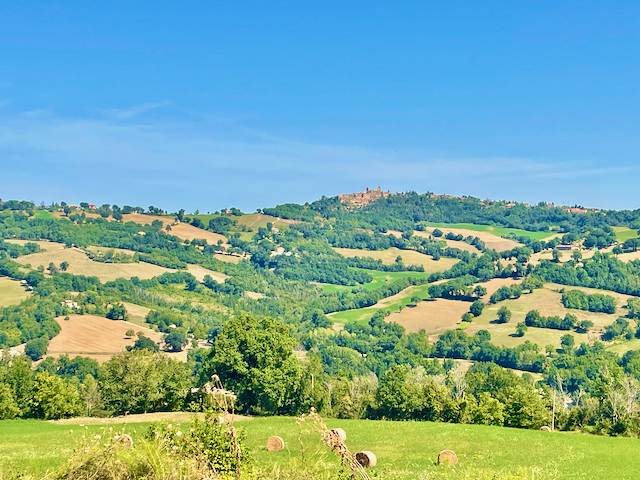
x=405, y=450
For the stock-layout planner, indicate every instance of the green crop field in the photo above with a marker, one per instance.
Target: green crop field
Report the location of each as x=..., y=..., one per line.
x=11, y=292
x=42, y=214
x=499, y=231
x=405, y=450
x=624, y=233
x=379, y=280
x=393, y=303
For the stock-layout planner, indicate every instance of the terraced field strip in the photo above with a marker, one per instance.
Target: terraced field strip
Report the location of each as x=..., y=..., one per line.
x=380, y=279
x=490, y=238
x=81, y=264
x=409, y=257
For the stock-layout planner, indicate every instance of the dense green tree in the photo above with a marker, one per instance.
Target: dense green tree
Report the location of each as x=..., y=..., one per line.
x=8, y=404
x=54, y=397
x=525, y=409
x=476, y=308
x=117, y=312
x=479, y=291
x=488, y=411
x=567, y=343
x=142, y=381
x=144, y=343
x=254, y=358
x=36, y=348
x=175, y=341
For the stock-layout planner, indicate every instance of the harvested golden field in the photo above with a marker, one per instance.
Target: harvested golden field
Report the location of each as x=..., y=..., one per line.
x=201, y=272
x=494, y=284
x=464, y=246
x=432, y=316
x=81, y=264
x=409, y=257
x=183, y=231
x=565, y=255
x=548, y=302
x=97, y=337
x=256, y=220
x=11, y=292
x=627, y=257
x=492, y=241
x=229, y=258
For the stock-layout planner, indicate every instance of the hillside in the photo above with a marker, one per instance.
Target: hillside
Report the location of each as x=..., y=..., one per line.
x=355, y=305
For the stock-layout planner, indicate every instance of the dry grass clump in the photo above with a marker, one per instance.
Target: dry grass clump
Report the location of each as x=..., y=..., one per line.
x=107, y=457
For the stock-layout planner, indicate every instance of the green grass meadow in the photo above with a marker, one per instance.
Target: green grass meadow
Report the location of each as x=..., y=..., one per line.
x=624, y=233
x=380, y=279
x=362, y=315
x=405, y=450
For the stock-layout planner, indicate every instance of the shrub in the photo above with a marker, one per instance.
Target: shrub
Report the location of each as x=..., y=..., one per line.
x=175, y=341
x=504, y=315
x=36, y=348
x=476, y=308
x=211, y=438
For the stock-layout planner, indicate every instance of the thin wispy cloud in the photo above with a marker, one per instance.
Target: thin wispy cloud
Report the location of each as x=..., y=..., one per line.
x=134, y=111
x=208, y=164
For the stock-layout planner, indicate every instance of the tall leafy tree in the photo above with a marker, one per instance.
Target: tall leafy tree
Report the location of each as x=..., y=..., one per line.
x=254, y=358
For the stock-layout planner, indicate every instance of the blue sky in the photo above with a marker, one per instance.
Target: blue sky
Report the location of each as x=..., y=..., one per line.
x=212, y=104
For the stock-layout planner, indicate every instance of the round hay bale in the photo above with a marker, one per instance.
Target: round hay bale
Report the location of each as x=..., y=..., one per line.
x=275, y=444
x=366, y=458
x=125, y=440
x=339, y=433
x=447, y=457
x=545, y=429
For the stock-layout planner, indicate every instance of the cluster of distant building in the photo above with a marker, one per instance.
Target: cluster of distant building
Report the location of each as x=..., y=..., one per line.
x=360, y=199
